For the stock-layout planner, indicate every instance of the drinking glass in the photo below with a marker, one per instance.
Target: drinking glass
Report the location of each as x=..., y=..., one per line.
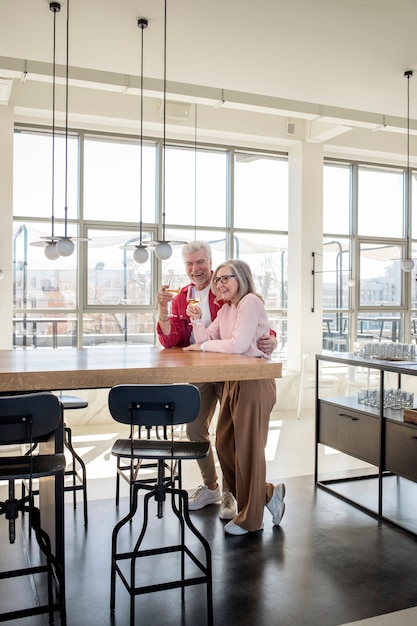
x=174, y=287
x=193, y=297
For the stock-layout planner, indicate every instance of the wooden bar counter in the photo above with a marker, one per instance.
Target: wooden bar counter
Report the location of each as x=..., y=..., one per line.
x=102, y=367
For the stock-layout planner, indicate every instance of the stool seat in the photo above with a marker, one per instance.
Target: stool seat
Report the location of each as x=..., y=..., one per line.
x=160, y=449
x=25, y=467
x=73, y=402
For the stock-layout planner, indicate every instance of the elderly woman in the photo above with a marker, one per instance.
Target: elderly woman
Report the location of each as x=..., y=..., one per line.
x=242, y=426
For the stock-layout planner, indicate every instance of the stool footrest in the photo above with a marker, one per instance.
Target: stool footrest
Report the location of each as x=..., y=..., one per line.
x=181, y=512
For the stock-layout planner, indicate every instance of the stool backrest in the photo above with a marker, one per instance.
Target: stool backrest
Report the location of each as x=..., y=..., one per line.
x=154, y=405
x=29, y=418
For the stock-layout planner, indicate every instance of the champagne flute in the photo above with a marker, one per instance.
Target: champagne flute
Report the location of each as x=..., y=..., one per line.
x=193, y=297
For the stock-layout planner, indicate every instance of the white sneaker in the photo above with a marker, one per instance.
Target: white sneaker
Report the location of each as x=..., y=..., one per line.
x=233, y=529
x=276, y=505
x=228, y=506
x=203, y=496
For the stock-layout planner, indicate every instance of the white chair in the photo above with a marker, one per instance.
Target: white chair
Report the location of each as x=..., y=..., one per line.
x=309, y=382
x=361, y=378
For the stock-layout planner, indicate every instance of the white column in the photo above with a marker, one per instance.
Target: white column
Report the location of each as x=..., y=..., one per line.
x=305, y=232
x=6, y=225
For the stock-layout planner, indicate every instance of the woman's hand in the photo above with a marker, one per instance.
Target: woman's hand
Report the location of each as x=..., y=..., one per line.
x=194, y=312
x=194, y=347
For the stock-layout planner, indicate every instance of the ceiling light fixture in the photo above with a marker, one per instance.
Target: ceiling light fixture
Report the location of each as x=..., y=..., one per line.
x=49, y=244
x=195, y=171
x=65, y=245
x=407, y=263
x=141, y=254
x=58, y=245
x=163, y=248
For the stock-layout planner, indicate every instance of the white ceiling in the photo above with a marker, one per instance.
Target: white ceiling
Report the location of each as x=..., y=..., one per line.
x=333, y=67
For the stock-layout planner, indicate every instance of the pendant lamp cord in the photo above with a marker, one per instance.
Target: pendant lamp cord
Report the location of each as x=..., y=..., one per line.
x=142, y=26
x=195, y=173
x=165, y=121
x=66, y=126
x=54, y=10
x=408, y=206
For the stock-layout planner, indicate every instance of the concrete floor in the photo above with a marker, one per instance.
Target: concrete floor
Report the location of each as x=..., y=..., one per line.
x=328, y=564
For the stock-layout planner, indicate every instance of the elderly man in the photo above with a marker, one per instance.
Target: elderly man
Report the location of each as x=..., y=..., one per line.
x=175, y=330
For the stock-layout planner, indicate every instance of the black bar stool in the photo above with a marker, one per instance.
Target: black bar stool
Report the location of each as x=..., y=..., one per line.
x=77, y=472
x=31, y=419
x=166, y=406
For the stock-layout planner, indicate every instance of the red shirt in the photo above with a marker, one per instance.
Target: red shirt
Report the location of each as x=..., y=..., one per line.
x=181, y=328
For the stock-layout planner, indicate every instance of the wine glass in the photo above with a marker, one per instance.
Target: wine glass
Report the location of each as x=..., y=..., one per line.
x=193, y=297
x=174, y=287
x=174, y=284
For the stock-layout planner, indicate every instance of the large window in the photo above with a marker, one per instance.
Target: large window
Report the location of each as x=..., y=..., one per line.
x=37, y=282
x=260, y=191
x=370, y=298
x=380, y=202
x=196, y=187
x=380, y=275
x=32, y=175
x=111, y=180
x=336, y=198
x=100, y=294
x=113, y=277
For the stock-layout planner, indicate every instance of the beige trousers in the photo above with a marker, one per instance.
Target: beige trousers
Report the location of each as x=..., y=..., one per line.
x=198, y=430
x=242, y=431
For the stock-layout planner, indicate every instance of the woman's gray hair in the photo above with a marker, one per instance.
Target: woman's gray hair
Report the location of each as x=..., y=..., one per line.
x=195, y=246
x=243, y=274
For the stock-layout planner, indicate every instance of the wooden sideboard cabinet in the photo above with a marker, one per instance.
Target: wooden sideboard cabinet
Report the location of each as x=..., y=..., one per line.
x=350, y=431
x=376, y=435
x=401, y=449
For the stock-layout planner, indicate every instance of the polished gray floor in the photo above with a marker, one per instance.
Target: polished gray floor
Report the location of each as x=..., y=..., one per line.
x=328, y=564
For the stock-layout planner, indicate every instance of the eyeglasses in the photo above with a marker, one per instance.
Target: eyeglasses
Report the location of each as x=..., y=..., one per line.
x=223, y=279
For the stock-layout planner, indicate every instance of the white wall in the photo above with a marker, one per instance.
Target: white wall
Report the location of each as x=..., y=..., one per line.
x=6, y=225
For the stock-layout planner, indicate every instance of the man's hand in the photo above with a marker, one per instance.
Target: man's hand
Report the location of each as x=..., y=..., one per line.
x=267, y=343
x=163, y=298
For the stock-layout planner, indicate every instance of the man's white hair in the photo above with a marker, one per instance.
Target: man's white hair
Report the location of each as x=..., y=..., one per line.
x=194, y=246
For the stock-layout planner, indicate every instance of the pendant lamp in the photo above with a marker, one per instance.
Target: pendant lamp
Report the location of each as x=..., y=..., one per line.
x=58, y=245
x=163, y=248
x=407, y=263
x=141, y=253
x=195, y=172
x=49, y=243
x=65, y=244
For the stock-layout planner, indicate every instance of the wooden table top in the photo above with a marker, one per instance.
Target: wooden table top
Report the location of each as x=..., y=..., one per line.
x=104, y=367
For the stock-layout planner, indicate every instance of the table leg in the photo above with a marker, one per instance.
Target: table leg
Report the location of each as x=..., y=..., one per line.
x=51, y=498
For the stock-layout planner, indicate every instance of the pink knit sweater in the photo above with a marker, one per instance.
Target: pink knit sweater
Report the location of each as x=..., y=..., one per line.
x=236, y=329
